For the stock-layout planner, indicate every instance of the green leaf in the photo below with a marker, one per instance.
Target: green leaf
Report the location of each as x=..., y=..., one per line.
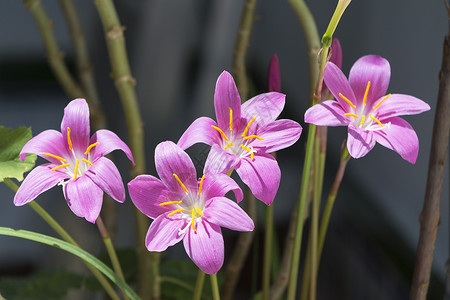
x=48, y=240
x=42, y=285
x=11, y=143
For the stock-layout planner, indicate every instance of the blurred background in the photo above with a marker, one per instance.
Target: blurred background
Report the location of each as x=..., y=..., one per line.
x=177, y=49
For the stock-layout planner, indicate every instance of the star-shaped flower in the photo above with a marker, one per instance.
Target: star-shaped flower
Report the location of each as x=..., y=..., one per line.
x=243, y=137
x=370, y=114
x=184, y=208
x=77, y=163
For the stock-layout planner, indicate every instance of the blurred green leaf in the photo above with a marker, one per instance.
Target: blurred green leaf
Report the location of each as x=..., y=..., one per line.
x=11, y=143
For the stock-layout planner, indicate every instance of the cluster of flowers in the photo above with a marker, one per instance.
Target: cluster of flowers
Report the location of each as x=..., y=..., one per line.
x=194, y=210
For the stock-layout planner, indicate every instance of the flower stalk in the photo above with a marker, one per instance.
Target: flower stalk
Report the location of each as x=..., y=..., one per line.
x=214, y=287
x=199, y=285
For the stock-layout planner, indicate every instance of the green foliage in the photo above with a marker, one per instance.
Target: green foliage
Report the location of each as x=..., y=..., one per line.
x=45, y=285
x=11, y=143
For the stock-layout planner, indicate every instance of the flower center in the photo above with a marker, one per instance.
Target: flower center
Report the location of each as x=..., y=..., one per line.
x=75, y=165
x=238, y=143
x=364, y=118
x=190, y=208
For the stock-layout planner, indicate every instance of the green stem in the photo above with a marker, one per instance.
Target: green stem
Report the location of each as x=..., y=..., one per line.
x=215, y=287
x=241, y=46
x=54, y=55
x=177, y=282
x=268, y=251
x=199, y=285
x=110, y=249
x=55, y=225
x=148, y=268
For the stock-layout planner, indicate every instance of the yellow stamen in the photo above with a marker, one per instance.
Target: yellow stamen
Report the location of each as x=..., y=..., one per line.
x=363, y=118
x=253, y=137
x=200, y=211
x=60, y=166
x=182, y=185
x=90, y=147
x=252, y=156
x=76, y=170
x=228, y=145
x=365, y=94
x=176, y=211
x=69, y=141
x=348, y=101
x=86, y=161
x=246, y=148
x=379, y=103
x=201, y=185
x=170, y=202
x=248, y=126
x=193, y=219
x=231, y=119
x=376, y=120
x=221, y=132
x=54, y=156
x=351, y=115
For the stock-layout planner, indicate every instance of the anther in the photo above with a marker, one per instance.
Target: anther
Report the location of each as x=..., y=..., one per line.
x=69, y=141
x=348, y=101
x=193, y=219
x=199, y=211
x=365, y=94
x=228, y=145
x=231, y=119
x=200, y=186
x=60, y=166
x=179, y=181
x=379, y=103
x=363, y=119
x=90, y=147
x=176, y=211
x=246, y=148
x=253, y=137
x=351, y=115
x=76, y=170
x=376, y=120
x=221, y=132
x=248, y=126
x=86, y=161
x=170, y=202
x=54, y=156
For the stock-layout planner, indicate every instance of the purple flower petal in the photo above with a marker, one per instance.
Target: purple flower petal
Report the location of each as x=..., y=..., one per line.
x=147, y=192
x=76, y=117
x=217, y=185
x=371, y=68
x=400, y=137
x=337, y=84
x=226, y=96
x=39, y=180
x=108, y=141
x=327, y=113
x=262, y=175
x=163, y=233
x=48, y=141
x=171, y=159
x=226, y=213
x=205, y=247
x=278, y=135
x=105, y=174
x=84, y=197
x=200, y=131
x=359, y=141
x=274, y=81
x=265, y=107
x=219, y=161
x=399, y=104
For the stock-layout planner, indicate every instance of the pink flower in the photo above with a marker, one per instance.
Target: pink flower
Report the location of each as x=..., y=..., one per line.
x=243, y=137
x=186, y=209
x=77, y=163
x=370, y=114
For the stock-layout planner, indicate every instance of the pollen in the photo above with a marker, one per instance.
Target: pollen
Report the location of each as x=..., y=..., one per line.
x=54, y=156
x=246, y=148
x=346, y=100
x=363, y=118
x=170, y=202
x=382, y=100
x=181, y=184
x=176, y=211
x=199, y=211
x=351, y=115
x=253, y=137
x=69, y=141
x=228, y=145
x=60, y=166
x=231, y=119
x=200, y=186
x=86, y=161
x=248, y=127
x=221, y=132
x=365, y=94
x=376, y=120
x=88, y=149
x=193, y=219
x=76, y=170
